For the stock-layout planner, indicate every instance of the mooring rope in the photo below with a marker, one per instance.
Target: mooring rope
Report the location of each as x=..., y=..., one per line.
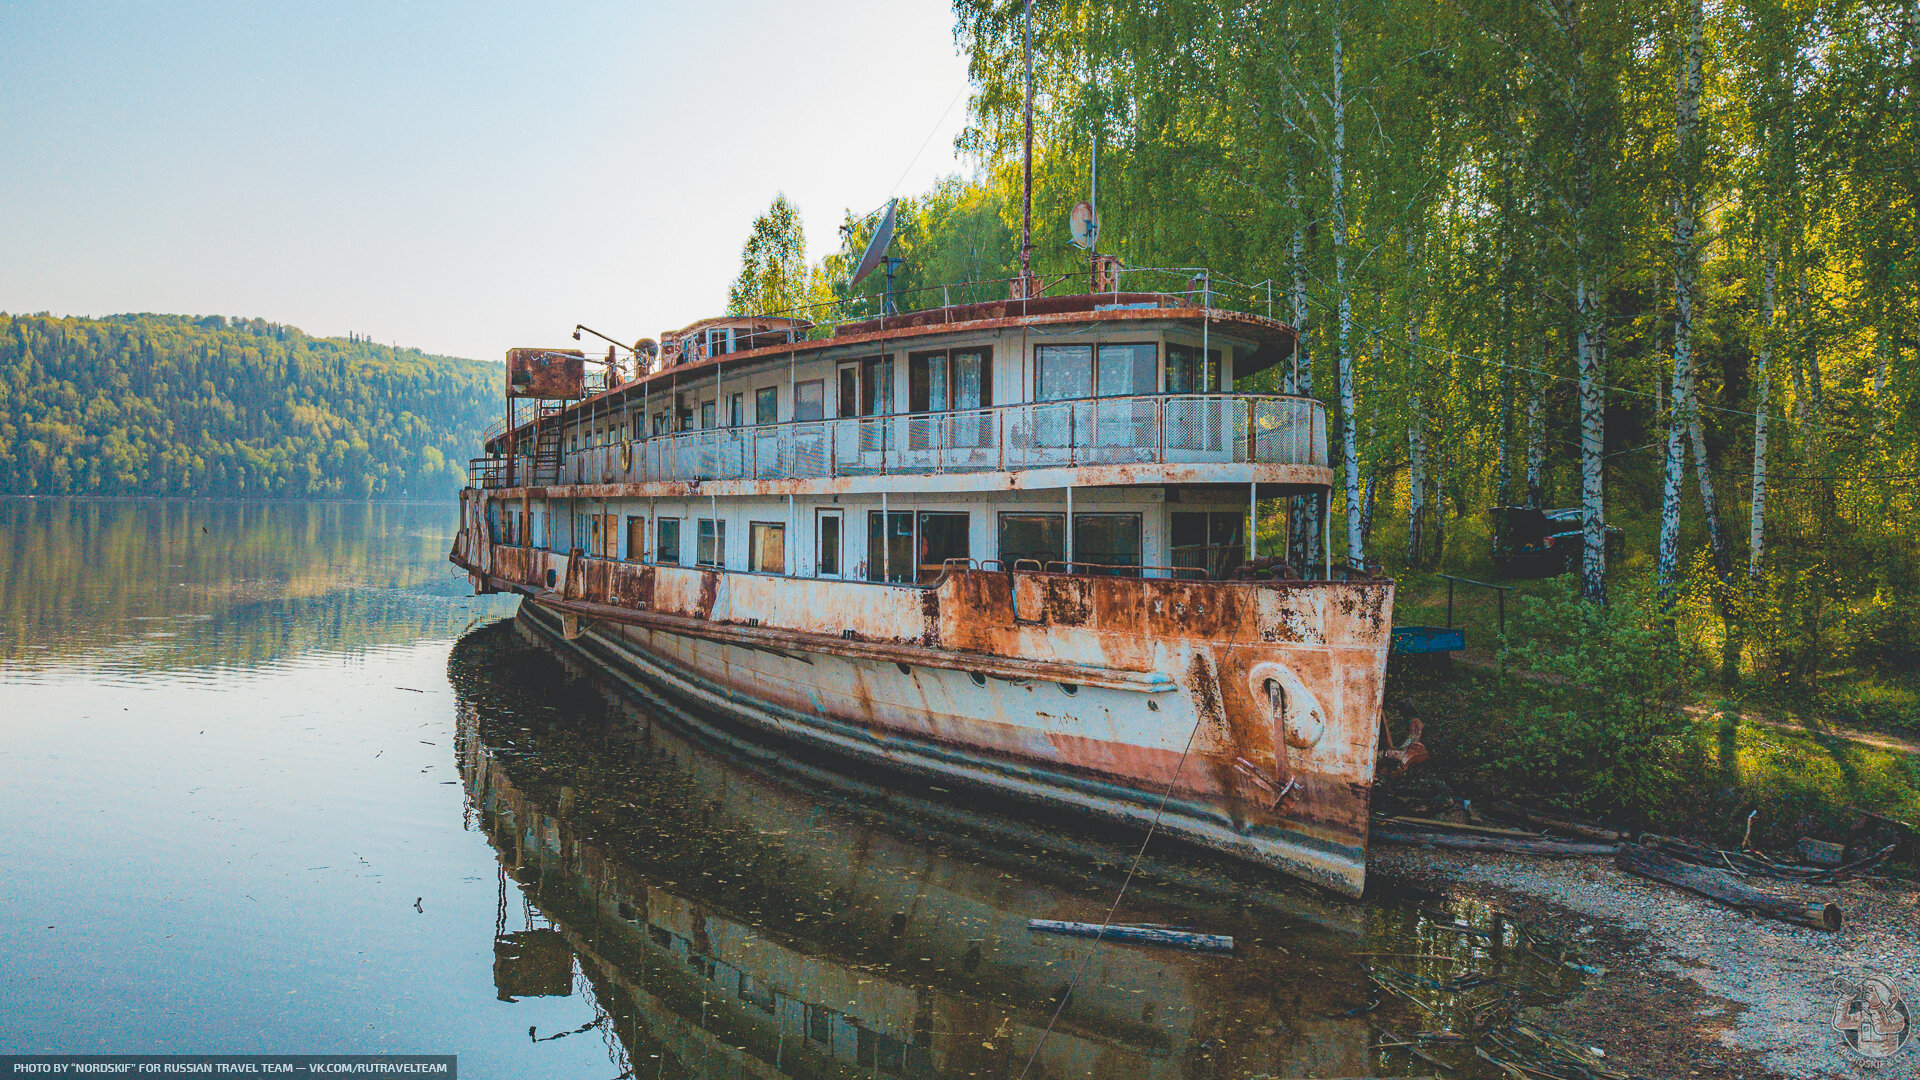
x=1074, y=983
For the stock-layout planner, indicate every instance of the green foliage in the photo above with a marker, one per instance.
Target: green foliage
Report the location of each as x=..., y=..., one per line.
x=773, y=264
x=1593, y=701
x=175, y=405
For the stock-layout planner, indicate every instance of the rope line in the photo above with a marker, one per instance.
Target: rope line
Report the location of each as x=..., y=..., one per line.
x=1087, y=958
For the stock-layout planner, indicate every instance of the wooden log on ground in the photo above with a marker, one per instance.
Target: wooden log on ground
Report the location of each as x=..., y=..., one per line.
x=1145, y=935
x=1461, y=842
x=1559, y=823
x=1726, y=888
x=1481, y=830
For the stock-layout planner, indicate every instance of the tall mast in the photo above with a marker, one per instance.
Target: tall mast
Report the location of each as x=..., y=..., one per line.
x=1026, y=163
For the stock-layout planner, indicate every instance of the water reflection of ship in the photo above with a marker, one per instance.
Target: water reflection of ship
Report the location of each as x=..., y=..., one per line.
x=732, y=924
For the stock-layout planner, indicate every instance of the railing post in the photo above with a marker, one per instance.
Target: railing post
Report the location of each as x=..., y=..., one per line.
x=1449, y=603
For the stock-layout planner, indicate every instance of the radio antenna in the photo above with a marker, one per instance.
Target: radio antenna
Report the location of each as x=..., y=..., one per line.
x=1026, y=165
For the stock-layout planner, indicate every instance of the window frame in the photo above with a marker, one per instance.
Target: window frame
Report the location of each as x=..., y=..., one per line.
x=755, y=530
x=839, y=517
x=714, y=530
x=659, y=542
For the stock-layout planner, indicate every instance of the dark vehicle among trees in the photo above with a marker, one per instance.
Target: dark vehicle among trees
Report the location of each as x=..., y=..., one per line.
x=1534, y=543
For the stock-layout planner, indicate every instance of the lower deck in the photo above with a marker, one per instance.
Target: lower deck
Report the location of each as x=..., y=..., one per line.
x=1196, y=532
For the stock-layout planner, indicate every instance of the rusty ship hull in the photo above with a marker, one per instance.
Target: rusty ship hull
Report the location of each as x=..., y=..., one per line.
x=1146, y=703
x=1012, y=547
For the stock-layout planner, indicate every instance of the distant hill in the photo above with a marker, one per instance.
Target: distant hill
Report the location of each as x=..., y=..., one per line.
x=177, y=405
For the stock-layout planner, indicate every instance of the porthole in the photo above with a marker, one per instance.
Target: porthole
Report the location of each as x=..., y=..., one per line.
x=1069, y=689
x=978, y=679
x=904, y=669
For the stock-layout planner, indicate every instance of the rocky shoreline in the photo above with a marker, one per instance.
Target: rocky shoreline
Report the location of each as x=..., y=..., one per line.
x=1693, y=988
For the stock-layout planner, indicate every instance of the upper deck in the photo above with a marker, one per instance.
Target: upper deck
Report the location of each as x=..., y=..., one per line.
x=1106, y=389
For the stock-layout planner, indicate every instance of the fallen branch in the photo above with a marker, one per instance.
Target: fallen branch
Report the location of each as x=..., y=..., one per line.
x=1141, y=934
x=1558, y=848
x=1558, y=823
x=1724, y=887
x=1450, y=826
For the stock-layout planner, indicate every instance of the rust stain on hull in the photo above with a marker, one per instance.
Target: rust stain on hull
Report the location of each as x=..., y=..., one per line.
x=1278, y=684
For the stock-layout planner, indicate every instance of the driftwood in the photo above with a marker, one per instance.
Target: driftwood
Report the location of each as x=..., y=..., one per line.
x=1725, y=887
x=1556, y=823
x=1480, y=830
x=1754, y=865
x=1558, y=848
x=1136, y=932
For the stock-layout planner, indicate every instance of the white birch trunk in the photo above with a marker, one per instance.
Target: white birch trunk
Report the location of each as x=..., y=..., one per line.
x=1305, y=543
x=1417, y=483
x=1536, y=440
x=1683, y=422
x=1591, y=351
x=1343, y=359
x=1763, y=381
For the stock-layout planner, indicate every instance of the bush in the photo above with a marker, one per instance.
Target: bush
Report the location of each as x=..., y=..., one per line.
x=1592, y=702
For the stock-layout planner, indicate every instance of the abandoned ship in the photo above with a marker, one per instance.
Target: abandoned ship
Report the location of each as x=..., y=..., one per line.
x=1008, y=546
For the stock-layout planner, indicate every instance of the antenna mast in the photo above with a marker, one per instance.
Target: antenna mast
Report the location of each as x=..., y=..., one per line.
x=1026, y=165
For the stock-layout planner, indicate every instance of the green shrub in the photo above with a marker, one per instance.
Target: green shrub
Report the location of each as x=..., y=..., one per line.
x=1591, y=700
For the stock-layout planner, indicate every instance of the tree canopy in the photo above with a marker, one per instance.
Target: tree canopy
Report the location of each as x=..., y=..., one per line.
x=175, y=405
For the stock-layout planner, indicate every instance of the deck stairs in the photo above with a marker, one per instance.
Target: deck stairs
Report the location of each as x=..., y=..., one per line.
x=546, y=443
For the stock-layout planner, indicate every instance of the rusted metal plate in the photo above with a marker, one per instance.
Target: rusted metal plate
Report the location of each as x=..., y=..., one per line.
x=553, y=374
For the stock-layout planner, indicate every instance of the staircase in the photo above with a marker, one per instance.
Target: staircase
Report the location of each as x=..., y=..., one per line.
x=546, y=443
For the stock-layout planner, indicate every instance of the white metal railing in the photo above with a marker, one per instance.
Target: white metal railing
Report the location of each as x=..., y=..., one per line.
x=1169, y=429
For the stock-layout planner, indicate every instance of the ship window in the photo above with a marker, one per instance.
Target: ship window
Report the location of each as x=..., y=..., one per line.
x=766, y=405
x=827, y=544
x=1126, y=371
x=666, y=547
x=944, y=381
x=767, y=547
x=1211, y=542
x=1062, y=372
x=942, y=537
x=1105, y=543
x=713, y=542
x=706, y=414
x=719, y=342
x=890, y=550
x=1039, y=537
x=849, y=403
x=877, y=375
x=810, y=400
x=1188, y=374
x=737, y=410
x=636, y=537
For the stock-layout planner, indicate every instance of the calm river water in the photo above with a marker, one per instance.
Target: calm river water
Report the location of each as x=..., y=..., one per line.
x=277, y=784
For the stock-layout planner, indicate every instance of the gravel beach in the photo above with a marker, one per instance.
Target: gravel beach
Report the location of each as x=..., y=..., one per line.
x=1693, y=988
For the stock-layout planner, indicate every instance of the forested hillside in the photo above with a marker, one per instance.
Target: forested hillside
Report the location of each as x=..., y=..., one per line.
x=175, y=405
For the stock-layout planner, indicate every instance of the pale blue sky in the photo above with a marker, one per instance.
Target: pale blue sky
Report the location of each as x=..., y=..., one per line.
x=459, y=177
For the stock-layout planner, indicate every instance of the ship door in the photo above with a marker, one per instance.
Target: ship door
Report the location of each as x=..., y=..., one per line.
x=827, y=543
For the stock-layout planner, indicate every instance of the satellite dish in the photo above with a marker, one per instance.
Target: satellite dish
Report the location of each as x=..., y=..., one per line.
x=1085, y=225
x=876, y=252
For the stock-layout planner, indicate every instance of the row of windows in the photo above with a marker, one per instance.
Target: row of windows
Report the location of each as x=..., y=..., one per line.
x=947, y=380
x=906, y=546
